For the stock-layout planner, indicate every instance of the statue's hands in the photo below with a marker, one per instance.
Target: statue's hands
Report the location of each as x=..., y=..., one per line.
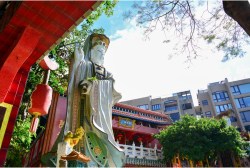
x=85, y=86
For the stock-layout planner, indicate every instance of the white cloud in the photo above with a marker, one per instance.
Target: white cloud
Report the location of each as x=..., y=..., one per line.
x=142, y=68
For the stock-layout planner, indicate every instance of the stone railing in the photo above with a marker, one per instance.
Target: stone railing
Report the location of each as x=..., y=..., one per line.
x=134, y=162
x=141, y=156
x=132, y=151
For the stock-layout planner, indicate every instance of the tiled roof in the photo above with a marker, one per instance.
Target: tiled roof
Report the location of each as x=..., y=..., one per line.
x=165, y=118
x=139, y=117
x=156, y=113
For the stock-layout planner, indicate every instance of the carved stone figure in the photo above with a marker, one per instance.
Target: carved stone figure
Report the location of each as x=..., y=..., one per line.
x=91, y=95
x=90, y=98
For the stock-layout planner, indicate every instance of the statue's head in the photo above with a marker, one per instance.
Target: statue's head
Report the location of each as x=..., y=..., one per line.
x=100, y=39
x=99, y=45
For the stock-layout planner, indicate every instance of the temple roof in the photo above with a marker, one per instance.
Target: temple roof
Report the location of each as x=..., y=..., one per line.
x=165, y=118
x=156, y=113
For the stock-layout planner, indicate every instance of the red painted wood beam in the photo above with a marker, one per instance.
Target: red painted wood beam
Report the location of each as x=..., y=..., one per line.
x=14, y=73
x=14, y=96
x=22, y=50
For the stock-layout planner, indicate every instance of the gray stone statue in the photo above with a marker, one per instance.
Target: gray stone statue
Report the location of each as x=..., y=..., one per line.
x=91, y=95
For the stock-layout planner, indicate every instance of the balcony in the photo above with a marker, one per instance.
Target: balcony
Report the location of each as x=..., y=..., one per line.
x=132, y=151
x=138, y=155
x=203, y=91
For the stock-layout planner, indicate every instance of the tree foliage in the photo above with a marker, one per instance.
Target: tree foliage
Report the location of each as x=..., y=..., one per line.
x=191, y=21
x=202, y=139
x=20, y=143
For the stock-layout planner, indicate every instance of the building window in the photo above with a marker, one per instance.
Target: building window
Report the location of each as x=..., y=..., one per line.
x=235, y=90
x=186, y=106
x=144, y=106
x=245, y=116
x=198, y=113
x=204, y=102
x=233, y=119
x=171, y=108
x=208, y=114
x=242, y=102
x=247, y=128
x=170, y=102
x=170, y=105
x=222, y=108
x=156, y=107
x=184, y=96
x=175, y=116
x=240, y=89
x=220, y=96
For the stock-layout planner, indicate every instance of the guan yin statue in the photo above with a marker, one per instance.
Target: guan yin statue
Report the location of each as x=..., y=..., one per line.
x=91, y=95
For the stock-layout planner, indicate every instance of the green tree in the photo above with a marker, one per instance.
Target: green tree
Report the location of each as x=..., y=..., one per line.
x=201, y=140
x=190, y=21
x=19, y=143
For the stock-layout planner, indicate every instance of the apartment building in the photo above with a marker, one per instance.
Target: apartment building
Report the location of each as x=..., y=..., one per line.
x=224, y=95
x=174, y=106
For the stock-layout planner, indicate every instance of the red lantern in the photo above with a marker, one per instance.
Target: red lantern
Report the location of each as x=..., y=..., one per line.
x=40, y=103
x=119, y=136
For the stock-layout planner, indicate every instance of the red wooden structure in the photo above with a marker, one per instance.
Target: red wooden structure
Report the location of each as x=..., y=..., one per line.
x=28, y=31
x=132, y=124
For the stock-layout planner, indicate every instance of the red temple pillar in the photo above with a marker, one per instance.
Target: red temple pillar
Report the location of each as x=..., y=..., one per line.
x=14, y=74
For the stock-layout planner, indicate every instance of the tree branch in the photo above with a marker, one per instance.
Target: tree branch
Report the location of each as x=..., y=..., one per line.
x=240, y=12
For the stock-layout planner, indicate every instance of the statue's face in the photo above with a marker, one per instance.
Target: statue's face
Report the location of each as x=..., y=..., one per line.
x=97, y=52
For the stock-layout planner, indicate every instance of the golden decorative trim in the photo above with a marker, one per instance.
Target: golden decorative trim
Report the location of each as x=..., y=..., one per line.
x=127, y=120
x=5, y=121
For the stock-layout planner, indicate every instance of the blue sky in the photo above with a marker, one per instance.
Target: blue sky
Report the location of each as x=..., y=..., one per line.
x=142, y=67
x=115, y=22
